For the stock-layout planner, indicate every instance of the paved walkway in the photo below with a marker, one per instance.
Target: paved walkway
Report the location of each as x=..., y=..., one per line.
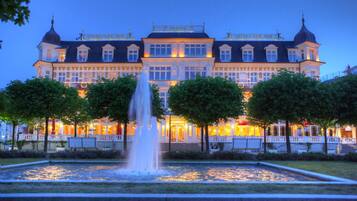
x=172, y=197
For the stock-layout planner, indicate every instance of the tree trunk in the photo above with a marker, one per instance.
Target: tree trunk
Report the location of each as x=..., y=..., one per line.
x=287, y=135
x=118, y=128
x=265, y=140
x=75, y=129
x=202, y=139
x=13, y=136
x=125, y=136
x=325, y=136
x=207, y=138
x=170, y=134
x=46, y=135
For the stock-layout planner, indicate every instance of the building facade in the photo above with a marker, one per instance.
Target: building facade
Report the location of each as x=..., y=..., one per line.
x=172, y=54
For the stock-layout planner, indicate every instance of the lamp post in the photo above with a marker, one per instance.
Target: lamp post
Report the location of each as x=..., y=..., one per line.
x=169, y=110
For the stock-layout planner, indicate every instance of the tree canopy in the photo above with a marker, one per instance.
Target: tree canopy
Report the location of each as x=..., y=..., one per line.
x=287, y=96
x=346, y=89
x=324, y=106
x=205, y=101
x=257, y=108
x=38, y=98
x=76, y=109
x=111, y=99
x=16, y=11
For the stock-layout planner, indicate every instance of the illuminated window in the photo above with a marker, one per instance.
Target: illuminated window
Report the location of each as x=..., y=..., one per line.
x=272, y=55
x=160, y=50
x=160, y=73
x=61, y=77
x=192, y=72
x=312, y=55
x=195, y=50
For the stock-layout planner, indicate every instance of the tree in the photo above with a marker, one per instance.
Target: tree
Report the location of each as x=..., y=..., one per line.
x=39, y=98
x=324, y=108
x=205, y=101
x=346, y=88
x=16, y=11
x=287, y=96
x=76, y=110
x=11, y=112
x=257, y=108
x=111, y=98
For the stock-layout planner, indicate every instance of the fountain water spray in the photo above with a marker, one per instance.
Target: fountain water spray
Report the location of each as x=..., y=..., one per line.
x=144, y=153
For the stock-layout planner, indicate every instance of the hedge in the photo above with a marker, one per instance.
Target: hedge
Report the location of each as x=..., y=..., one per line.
x=183, y=155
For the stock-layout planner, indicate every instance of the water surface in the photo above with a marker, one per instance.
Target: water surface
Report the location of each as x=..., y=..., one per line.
x=168, y=173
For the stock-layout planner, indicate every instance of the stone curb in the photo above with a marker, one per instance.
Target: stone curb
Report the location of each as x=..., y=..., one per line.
x=172, y=197
x=308, y=173
x=24, y=164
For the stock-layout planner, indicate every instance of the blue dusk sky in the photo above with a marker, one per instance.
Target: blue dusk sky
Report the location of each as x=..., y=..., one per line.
x=334, y=22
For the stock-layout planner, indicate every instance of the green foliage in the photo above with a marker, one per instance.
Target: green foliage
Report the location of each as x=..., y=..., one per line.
x=76, y=109
x=111, y=98
x=287, y=96
x=38, y=98
x=205, y=101
x=157, y=109
x=324, y=105
x=346, y=89
x=16, y=11
x=258, y=105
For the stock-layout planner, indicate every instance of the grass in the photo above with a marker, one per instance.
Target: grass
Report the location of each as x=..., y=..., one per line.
x=335, y=168
x=10, y=161
x=176, y=188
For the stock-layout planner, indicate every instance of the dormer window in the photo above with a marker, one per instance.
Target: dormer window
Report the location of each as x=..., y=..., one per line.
x=108, y=53
x=133, y=53
x=271, y=52
x=292, y=55
x=82, y=53
x=248, y=53
x=225, y=54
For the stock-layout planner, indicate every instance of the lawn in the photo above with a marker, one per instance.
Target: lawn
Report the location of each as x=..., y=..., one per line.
x=176, y=188
x=335, y=168
x=10, y=161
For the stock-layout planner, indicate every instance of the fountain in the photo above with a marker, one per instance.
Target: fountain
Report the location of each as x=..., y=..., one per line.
x=144, y=153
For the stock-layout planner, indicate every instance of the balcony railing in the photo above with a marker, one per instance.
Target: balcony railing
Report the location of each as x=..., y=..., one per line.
x=214, y=139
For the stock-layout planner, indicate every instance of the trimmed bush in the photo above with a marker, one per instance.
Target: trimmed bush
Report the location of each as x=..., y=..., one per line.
x=184, y=155
x=89, y=154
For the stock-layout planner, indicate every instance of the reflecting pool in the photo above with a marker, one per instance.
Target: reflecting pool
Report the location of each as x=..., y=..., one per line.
x=169, y=173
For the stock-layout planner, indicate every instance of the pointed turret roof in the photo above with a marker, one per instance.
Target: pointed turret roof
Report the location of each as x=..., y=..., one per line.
x=51, y=36
x=304, y=35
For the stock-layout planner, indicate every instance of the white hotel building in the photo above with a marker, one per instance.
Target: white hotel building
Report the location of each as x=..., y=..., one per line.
x=173, y=54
